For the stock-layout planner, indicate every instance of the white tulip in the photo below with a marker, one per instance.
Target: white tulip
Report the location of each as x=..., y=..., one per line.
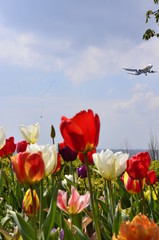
x=110, y=165
x=2, y=136
x=31, y=132
x=49, y=155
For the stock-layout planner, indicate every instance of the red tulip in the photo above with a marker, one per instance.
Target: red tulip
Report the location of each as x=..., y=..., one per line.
x=89, y=156
x=151, y=177
x=132, y=186
x=9, y=148
x=28, y=167
x=81, y=133
x=21, y=146
x=137, y=165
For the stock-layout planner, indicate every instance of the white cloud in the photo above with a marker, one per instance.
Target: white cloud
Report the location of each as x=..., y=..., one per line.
x=60, y=55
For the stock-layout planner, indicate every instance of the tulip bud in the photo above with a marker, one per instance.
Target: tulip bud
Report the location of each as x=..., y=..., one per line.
x=27, y=204
x=151, y=177
x=52, y=133
x=21, y=146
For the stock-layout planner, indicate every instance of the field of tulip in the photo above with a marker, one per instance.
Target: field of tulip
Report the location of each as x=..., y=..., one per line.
x=69, y=190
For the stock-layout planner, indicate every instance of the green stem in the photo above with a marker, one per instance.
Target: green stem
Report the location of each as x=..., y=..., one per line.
x=41, y=216
x=34, y=211
x=152, y=187
x=11, y=170
x=71, y=215
x=143, y=199
x=72, y=172
x=92, y=201
x=110, y=200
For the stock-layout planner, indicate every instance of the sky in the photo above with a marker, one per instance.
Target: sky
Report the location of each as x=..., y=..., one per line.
x=60, y=57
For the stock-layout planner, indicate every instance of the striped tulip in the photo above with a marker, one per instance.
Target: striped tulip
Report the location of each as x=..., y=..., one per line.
x=76, y=203
x=132, y=186
x=28, y=167
x=27, y=204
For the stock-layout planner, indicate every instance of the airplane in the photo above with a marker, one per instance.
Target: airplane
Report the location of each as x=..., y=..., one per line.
x=145, y=70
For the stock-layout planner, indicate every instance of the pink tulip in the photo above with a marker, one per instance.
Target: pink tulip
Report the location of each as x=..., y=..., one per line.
x=76, y=203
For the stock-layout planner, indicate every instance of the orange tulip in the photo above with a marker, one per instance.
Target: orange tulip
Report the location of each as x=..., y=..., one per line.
x=81, y=133
x=28, y=167
x=139, y=228
x=27, y=204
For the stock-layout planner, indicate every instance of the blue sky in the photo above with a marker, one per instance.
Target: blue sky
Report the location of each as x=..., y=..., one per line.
x=60, y=57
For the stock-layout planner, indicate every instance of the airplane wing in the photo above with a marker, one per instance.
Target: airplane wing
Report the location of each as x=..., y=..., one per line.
x=131, y=69
x=152, y=71
x=134, y=73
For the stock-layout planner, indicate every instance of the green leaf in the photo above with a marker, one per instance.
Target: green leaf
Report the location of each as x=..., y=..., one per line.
x=80, y=233
x=50, y=218
x=25, y=229
x=117, y=221
x=104, y=207
x=68, y=233
x=77, y=220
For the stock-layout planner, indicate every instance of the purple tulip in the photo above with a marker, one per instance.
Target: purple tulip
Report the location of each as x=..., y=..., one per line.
x=82, y=171
x=61, y=233
x=68, y=154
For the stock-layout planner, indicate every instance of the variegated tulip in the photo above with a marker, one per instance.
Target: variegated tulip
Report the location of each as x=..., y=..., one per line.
x=28, y=167
x=2, y=136
x=76, y=203
x=30, y=132
x=49, y=155
x=132, y=185
x=27, y=204
x=110, y=165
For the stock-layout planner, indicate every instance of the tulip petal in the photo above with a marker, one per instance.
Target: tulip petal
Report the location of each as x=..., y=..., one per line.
x=74, y=202
x=84, y=201
x=62, y=200
x=73, y=135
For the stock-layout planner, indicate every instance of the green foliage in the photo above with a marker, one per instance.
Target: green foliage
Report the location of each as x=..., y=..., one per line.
x=149, y=33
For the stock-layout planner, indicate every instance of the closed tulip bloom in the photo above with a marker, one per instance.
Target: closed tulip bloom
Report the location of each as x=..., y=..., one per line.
x=30, y=133
x=139, y=228
x=27, y=204
x=110, y=165
x=132, y=186
x=28, y=167
x=89, y=156
x=67, y=153
x=82, y=171
x=81, y=133
x=21, y=146
x=2, y=136
x=76, y=203
x=151, y=177
x=49, y=155
x=8, y=149
x=137, y=165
